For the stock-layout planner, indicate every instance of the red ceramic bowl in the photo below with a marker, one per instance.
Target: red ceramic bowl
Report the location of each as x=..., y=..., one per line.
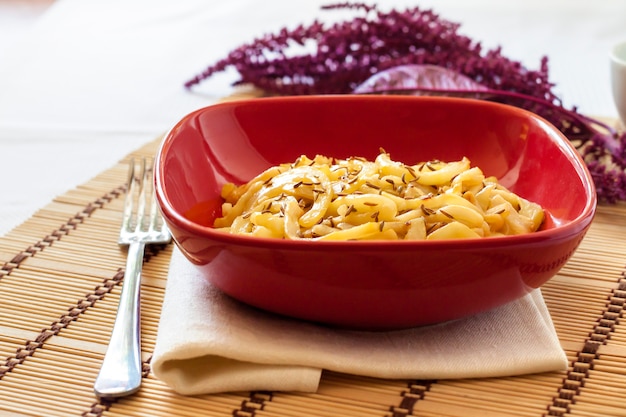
x=372, y=284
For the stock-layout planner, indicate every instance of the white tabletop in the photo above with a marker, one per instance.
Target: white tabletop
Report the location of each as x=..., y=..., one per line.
x=93, y=80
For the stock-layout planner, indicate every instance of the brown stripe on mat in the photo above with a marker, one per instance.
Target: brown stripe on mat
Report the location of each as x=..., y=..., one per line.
x=254, y=403
x=584, y=362
x=63, y=230
x=74, y=311
x=258, y=400
x=23, y=352
x=416, y=392
x=101, y=405
x=31, y=346
x=96, y=410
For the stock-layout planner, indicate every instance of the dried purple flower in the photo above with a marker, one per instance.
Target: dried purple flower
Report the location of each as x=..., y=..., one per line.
x=349, y=52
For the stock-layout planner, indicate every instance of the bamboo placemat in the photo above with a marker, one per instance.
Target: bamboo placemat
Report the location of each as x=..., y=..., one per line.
x=59, y=288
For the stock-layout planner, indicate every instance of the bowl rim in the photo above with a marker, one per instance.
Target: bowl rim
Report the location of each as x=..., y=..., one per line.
x=571, y=228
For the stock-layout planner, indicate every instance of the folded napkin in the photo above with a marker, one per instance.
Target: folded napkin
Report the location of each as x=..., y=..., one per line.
x=208, y=342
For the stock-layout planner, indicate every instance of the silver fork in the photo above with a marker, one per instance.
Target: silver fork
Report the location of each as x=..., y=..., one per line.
x=120, y=373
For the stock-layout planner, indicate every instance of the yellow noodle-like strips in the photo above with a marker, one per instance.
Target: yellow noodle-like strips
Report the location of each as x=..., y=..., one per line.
x=356, y=199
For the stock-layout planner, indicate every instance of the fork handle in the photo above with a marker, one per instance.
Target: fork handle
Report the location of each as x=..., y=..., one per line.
x=120, y=373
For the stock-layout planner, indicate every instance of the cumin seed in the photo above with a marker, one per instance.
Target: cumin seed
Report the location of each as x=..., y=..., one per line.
x=445, y=213
x=427, y=211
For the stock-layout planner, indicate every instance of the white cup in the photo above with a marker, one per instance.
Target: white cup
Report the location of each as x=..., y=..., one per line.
x=618, y=79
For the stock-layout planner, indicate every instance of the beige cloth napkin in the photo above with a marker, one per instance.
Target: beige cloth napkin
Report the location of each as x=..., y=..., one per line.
x=208, y=343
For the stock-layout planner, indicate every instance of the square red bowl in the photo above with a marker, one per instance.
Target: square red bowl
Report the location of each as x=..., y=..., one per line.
x=372, y=284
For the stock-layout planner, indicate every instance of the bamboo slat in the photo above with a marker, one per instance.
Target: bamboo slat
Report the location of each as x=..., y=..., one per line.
x=59, y=288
